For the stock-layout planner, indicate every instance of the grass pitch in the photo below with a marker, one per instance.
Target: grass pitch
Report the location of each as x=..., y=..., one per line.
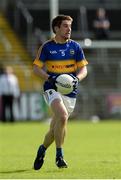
x=92, y=150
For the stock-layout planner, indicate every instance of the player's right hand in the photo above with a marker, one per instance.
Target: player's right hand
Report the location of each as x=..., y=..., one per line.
x=52, y=80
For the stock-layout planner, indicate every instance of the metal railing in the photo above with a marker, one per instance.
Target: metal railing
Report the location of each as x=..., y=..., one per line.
x=103, y=80
x=34, y=35
x=21, y=8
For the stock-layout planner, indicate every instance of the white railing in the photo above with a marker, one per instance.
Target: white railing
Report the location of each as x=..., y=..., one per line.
x=90, y=44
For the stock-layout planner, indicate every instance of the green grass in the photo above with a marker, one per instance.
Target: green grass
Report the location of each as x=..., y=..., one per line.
x=92, y=150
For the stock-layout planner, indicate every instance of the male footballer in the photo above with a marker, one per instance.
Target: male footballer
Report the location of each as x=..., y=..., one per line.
x=57, y=56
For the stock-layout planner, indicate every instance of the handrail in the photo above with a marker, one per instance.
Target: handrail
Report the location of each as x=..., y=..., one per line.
x=25, y=12
x=29, y=21
x=88, y=43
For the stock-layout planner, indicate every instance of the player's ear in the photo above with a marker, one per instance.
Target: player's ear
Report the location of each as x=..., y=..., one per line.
x=56, y=28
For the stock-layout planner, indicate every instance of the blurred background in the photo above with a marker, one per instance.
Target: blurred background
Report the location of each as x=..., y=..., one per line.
x=25, y=25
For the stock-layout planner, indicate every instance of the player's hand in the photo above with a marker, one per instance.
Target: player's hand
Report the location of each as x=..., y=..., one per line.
x=75, y=82
x=52, y=80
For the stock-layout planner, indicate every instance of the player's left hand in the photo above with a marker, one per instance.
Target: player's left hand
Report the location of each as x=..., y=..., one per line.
x=75, y=82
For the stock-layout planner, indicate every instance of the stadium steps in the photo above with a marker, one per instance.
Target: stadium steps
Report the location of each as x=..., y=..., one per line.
x=2, y=51
x=13, y=53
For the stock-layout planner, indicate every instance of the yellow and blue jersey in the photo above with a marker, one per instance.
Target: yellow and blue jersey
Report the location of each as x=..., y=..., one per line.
x=60, y=58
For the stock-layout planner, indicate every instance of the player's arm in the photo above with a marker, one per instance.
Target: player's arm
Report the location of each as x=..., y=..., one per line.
x=43, y=74
x=39, y=62
x=82, y=73
x=40, y=72
x=81, y=64
x=38, y=67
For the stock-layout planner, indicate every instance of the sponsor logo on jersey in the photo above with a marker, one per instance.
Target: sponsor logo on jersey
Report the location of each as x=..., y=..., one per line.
x=53, y=52
x=63, y=66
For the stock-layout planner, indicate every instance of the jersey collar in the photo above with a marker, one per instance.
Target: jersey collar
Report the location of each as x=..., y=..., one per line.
x=59, y=42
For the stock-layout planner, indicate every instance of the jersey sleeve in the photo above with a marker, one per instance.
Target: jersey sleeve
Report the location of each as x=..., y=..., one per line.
x=40, y=57
x=80, y=58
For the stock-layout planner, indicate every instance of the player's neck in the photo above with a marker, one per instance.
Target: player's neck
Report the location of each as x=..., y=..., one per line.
x=60, y=40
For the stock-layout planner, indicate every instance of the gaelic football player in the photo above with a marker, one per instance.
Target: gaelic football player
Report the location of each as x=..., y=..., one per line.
x=57, y=56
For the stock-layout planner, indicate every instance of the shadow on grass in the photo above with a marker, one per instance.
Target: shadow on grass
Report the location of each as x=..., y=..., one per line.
x=15, y=171
x=59, y=170
x=31, y=169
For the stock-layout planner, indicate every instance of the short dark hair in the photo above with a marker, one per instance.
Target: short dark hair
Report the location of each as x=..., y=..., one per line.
x=58, y=20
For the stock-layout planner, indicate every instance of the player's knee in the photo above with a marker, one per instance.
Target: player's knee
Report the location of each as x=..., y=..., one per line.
x=64, y=118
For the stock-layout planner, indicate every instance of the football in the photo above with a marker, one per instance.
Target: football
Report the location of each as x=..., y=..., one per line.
x=64, y=83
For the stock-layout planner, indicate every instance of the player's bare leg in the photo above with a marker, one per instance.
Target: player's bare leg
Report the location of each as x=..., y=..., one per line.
x=57, y=129
x=49, y=137
x=56, y=132
x=61, y=115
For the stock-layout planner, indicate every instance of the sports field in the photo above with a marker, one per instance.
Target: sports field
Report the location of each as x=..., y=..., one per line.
x=92, y=150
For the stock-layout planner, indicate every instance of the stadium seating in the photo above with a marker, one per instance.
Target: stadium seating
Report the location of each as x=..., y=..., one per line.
x=13, y=52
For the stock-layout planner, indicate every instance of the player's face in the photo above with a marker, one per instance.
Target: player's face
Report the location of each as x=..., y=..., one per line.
x=64, y=31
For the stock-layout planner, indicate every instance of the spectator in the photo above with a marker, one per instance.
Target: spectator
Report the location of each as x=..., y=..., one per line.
x=9, y=90
x=101, y=25
x=1, y=72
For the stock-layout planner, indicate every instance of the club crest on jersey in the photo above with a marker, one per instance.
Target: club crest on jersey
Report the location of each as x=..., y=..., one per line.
x=72, y=52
